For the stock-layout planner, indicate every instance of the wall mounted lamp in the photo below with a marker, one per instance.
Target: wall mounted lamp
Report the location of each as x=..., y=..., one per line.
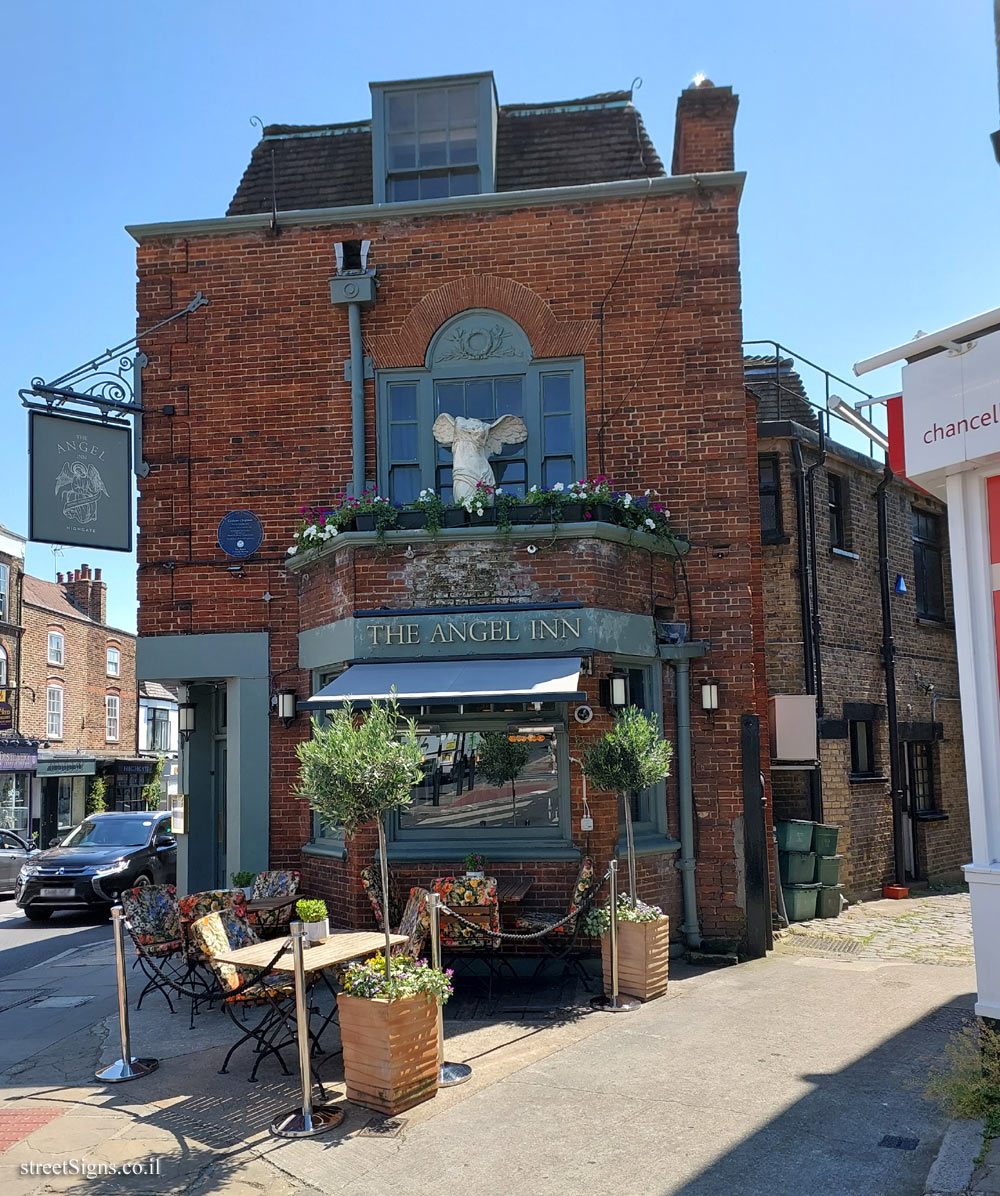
x=710, y=696
x=285, y=707
x=615, y=692
x=186, y=719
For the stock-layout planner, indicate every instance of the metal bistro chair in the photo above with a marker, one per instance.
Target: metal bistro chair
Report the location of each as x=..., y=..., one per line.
x=153, y=921
x=474, y=899
x=564, y=941
x=243, y=988
x=281, y=883
x=192, y=907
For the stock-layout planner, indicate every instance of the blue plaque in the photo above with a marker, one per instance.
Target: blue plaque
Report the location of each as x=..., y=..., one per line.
x=240, y=533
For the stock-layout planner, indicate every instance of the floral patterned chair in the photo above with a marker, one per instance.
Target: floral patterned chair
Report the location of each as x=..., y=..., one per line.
x=415, y=924
x=281, y=883
x=371, y=879
x=153, y=921
x=247, y=988
x=564, y=940
x=199, y=905
x=475, y=900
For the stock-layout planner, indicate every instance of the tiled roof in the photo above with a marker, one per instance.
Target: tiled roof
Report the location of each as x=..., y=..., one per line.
x=778, y=390
x=156, y=692
x=596, y=139
x=49, y=595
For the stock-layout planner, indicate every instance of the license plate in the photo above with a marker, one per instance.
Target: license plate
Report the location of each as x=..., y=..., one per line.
x=56, y=893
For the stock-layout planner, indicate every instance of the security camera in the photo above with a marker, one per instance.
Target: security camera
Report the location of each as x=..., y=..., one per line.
x=583, y=714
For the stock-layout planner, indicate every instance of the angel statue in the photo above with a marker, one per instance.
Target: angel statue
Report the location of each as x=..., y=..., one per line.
x=472, y=443
x=81, y=487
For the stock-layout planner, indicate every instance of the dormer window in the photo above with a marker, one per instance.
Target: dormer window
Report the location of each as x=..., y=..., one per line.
x=433, y=139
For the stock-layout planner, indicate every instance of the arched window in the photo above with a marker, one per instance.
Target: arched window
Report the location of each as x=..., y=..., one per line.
x=480, y=365
x=3, y=667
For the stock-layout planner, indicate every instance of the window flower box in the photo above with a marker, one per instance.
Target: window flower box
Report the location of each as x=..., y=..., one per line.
x=411, y=519
x=453, y=517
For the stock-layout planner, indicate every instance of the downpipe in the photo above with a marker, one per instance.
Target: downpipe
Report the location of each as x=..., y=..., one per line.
x=889, y=666
x=357, y=399
x=685, y=803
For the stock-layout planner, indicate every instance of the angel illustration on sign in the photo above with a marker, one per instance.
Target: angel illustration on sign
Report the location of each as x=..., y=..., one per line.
x=81, y=488
x=472, y=443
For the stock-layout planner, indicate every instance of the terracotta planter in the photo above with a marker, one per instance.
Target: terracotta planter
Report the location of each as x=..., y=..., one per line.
x=896, y=892
x=643, y=958
x=390, y=1051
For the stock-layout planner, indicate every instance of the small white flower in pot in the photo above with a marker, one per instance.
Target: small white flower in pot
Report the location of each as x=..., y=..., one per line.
x=313, y=914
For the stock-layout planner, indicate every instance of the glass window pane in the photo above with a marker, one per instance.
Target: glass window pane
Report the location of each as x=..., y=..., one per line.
x=450, y=398
x=509, y=472
x=444, y=482
x=558, y=434
x=432, y=109
x=433, y=149
x=509, y=396
x=401, y=190
x=400, y=111
x=402, y=151
x=479, y=399
x=433, y=186
x=464, y=182
x=462, y=106
x=555, y=393
x=404, y=483
x=557, y=469
x=403, y=402
x=462, y=147
x=403, y=442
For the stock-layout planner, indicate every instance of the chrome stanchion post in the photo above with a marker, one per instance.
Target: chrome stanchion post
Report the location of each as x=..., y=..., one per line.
x=449, y=1074
x=127, y=1067
x=309, y=1119
x=616, y=1003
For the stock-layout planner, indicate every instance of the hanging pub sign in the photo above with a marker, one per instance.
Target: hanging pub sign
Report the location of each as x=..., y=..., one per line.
x=81, y=484
x=6, y=716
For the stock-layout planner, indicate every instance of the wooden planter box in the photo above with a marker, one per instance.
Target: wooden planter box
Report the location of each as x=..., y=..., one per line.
x=643, y=958
x=390, y=1051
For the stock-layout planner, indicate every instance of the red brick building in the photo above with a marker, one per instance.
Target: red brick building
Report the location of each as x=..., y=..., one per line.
x=453, y=255
x=18, y=754
x=82, y=703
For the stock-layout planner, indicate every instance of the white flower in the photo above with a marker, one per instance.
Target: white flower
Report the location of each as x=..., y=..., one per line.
x=665, y=513
x=649, y=523
x=293, y=550
x=329, y=532
x=558, y=487
x=312, y=530
x=533, y=490
x=627, y=500
x=647, y=493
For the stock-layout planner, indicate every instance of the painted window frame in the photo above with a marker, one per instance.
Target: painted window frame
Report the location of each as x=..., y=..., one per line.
x=112, y=720
x=531, y=371
x=867, y=729
x=770, y=533
x=60, y=658
x=928, y=561
x=117, y=671
x=4, y=592
x=837, y=490
x=652, y=820
x=326, y=840
x=51, y=712
x=486, y=129
x=151, y=724
x=924, y=796
x=4, y=666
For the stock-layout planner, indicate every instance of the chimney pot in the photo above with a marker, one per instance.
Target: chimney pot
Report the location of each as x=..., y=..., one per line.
x=97, y=575
x=59, y=578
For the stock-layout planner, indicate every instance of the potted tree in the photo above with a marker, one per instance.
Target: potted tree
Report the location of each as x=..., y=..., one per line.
x=627, y=759
x=501, y=760
x=643, y=946
x=355, y=770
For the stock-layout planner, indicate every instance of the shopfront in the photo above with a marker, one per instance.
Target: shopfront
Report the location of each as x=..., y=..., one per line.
x=18, y=760
x=60, y=794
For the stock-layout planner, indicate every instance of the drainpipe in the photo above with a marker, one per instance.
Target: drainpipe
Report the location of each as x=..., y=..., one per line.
x=803, y=484
x=814, y=573
x=357, y=399
x=889, y=665
x=679, y=656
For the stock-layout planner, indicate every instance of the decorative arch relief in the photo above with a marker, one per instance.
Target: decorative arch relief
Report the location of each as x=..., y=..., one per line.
x=477, y=338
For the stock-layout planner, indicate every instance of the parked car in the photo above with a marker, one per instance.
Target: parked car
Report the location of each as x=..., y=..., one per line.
x=13, y=853
x=95, y=861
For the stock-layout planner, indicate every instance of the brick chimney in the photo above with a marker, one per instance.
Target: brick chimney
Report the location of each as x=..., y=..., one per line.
x=88, y=593
x=703, y=131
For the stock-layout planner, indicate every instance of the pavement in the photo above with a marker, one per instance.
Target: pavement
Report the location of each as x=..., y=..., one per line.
x=799, y=1073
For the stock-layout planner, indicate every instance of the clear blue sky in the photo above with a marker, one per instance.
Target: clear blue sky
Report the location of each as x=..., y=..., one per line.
x=870, y=208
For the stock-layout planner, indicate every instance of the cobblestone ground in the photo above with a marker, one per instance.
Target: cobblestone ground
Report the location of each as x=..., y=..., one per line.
x=933, y=927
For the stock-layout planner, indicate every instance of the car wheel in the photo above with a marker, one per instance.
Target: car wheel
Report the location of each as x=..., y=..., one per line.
x=142, y=881
x=37, y=915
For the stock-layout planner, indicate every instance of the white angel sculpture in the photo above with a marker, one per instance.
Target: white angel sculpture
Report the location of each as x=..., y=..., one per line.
x=472, y=442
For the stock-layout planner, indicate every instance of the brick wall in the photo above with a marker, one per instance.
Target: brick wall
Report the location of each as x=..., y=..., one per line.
x=84, y=680
x=851, y=637
x=10, y=625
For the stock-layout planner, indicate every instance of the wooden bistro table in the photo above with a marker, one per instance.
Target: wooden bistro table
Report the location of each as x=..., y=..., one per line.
x=340, y=946
x=511, y=890
x=264, y=905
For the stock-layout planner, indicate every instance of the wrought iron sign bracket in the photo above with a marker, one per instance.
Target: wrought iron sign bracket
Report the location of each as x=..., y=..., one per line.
x=112, y=383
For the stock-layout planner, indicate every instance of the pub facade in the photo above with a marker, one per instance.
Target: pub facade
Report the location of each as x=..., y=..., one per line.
x=453, y=258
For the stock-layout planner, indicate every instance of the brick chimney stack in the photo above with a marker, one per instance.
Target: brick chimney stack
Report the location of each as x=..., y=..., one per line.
x=703, y=131
x=88, y=593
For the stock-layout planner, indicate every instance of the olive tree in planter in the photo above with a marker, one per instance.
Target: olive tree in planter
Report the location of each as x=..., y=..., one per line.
x=627, y=759
x=355, y=770
x=501, y=760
